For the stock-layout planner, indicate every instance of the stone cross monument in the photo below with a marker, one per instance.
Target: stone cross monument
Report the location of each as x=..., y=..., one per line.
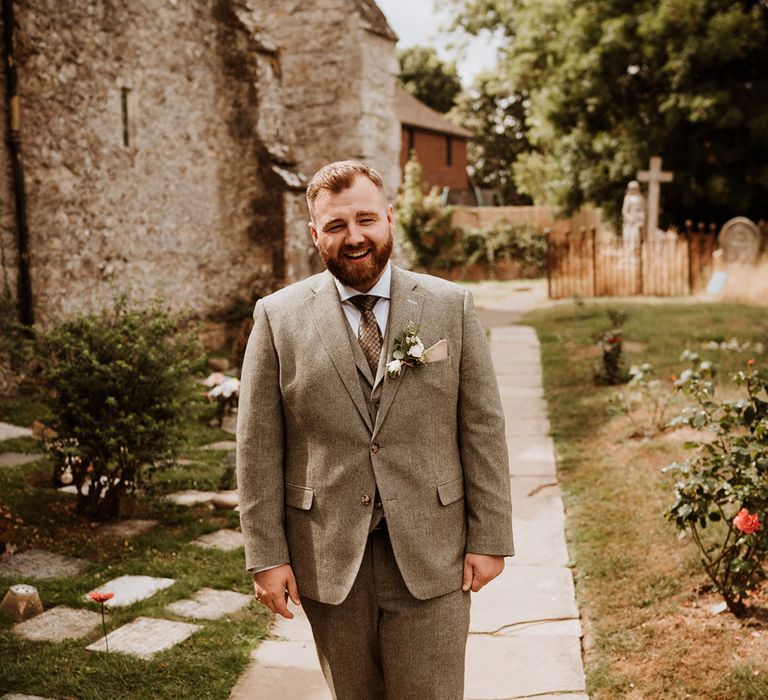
x=654, y=177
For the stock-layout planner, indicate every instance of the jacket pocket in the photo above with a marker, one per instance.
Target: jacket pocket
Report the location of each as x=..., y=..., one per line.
x=450, y=491
x=300, y=497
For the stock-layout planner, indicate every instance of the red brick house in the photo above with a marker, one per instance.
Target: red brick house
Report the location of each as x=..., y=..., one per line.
x=440, y=146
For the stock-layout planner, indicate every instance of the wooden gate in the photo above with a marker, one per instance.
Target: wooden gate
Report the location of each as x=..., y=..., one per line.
x=589, y=265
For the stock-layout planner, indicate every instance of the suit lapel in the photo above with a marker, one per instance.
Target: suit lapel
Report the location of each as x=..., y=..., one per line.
x=330, y=323
x=406, y=304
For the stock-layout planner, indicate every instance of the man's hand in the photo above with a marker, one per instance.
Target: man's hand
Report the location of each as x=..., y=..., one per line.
x=480, y=569
x=273, y=587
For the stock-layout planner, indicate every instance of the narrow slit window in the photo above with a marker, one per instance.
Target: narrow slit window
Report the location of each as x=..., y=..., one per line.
x=411, y=141
x=448, y=150
x=124, y=92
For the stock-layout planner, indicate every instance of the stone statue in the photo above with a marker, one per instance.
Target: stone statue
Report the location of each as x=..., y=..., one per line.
x=633, y=214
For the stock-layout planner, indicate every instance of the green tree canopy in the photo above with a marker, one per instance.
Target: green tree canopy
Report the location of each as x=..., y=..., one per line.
x=612, y=82
x=496, y=117
x=426, y=76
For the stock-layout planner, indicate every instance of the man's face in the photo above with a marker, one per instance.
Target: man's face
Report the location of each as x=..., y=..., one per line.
x=352, y=231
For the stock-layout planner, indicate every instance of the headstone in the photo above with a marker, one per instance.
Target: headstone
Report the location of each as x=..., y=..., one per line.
x=210, y=604
x=654, y=176
x=740, y=240
x=225, y=540
x=191, y=497
x=8, y=431
x=127, y=528
x=131, y=589
x=717, y=283
x=37, y=563
x=16, y=459
x=221, y=445
x=58, y=624
x=146, y=636
x=21, y=602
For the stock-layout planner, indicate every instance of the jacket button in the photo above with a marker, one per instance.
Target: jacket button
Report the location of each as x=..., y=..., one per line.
x=377, y=504
x=374, y=448
x=366, y=500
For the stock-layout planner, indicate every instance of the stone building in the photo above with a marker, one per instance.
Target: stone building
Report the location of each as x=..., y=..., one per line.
x=166, y=143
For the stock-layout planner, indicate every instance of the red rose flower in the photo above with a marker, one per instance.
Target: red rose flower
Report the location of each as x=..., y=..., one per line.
x=745, y=522
x=750, y=362
x=101, y=596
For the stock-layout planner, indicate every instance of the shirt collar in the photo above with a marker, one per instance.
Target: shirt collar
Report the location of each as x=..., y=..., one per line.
x=382, y=288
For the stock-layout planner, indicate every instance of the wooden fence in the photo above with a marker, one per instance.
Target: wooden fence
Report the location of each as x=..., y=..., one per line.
x=589, y=264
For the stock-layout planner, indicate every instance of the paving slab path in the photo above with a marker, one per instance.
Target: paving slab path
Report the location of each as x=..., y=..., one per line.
x=525, y=632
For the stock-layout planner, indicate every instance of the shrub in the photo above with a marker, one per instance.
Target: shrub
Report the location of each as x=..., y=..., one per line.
x=609, y=368
x=429, y=237
x=520, y=243
x=645, y=401
x=724, y=486
x=119, y=392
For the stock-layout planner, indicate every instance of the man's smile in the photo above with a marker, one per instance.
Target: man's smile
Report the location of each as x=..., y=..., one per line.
x=358, y=255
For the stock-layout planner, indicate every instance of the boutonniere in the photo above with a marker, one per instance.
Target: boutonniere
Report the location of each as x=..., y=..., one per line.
x=409, y=351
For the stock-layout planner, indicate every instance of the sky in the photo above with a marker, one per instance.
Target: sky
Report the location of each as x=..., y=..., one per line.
x=417, y=22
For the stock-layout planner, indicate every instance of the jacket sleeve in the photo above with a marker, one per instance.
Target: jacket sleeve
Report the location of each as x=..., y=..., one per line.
x=260, y=449
x=483, y=444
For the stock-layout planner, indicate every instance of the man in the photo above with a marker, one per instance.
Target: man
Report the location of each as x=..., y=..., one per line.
x=381, y=498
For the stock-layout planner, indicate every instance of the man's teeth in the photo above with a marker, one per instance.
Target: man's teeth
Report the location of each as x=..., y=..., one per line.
x=357, y=255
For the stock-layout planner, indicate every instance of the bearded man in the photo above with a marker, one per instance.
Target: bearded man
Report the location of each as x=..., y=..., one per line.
x=371, y=456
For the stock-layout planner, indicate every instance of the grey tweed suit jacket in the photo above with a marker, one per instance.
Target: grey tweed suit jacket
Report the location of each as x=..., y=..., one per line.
x=311, y=453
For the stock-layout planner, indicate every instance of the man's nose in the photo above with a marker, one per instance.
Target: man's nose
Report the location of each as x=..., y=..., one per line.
x=355, y=235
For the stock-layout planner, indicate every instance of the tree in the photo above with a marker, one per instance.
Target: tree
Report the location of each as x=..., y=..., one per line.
x=427, y=77
x=496, y=117
x=611, y=83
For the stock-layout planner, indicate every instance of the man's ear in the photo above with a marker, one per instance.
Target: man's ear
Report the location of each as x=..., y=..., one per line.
x=313, y=231
x=391, y=216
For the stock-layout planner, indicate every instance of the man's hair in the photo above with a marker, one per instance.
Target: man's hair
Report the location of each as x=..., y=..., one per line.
x=339, y=176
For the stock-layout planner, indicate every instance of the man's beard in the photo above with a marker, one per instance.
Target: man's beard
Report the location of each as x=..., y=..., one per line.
x=357, y=275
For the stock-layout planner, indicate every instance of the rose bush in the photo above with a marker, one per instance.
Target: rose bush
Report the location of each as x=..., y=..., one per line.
x=722, y=490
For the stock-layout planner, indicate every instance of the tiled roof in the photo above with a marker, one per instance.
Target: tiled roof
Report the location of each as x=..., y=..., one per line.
x=374, y=19
x=413, y=112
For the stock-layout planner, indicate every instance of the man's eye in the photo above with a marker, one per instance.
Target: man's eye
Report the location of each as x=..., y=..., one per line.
x=366, y=221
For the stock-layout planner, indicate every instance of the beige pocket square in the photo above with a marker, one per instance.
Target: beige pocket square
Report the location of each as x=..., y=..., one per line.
x=437, y=352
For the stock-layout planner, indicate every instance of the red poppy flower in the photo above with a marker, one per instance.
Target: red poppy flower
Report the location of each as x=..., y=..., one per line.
x=101, y=596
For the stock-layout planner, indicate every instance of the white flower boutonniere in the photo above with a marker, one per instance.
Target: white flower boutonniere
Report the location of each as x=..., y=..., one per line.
x=408, y=352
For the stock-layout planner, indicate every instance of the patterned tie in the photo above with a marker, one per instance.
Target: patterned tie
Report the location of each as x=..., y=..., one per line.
x=369, y=334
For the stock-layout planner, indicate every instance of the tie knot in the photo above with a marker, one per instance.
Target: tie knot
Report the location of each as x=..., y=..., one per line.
x=364, y=302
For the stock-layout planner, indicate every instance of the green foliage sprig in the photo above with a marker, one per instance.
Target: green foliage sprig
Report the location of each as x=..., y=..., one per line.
x=645, y=401
x=723, y=487
x=119, y=391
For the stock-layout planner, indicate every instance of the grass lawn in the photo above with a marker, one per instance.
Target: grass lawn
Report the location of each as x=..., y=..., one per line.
x=643, y=596
x=206, y=665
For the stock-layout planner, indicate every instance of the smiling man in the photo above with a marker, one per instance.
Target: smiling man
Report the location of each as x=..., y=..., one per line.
x=377, y=500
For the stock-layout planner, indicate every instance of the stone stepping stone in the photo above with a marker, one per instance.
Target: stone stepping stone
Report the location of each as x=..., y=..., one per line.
x=21, y=696
x=524, y=594
x=58, y=624
x=128, y=528
x=210, y=604
x=131, y=589
x=40, y=564
x=225, y=500
x=224, y=540
x=221, y=445
x=191, y=497
x=539, y=526
x=524, y=667
x=145, y=636
x=8, y=431
x=16, y=459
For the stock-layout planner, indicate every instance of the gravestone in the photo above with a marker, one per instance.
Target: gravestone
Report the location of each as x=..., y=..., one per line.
x=16, y=459
x=37, y=563
x=210, y=604
x=740, y=240
x=58, y=624
x=131, y=589
x=21, y=602
x=146, y=636
x=225, y=540
x=655, y=177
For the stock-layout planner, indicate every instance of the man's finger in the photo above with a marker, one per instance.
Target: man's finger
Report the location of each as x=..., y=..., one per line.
x=468, y=575
x=293, y=590
x=281, y=608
